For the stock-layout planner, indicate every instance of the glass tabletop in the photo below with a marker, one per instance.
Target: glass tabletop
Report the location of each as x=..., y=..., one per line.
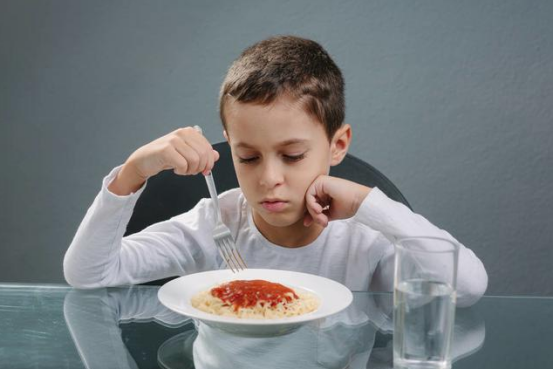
x=50, y=326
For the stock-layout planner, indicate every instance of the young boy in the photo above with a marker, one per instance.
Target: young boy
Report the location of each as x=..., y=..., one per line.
x=282, y=108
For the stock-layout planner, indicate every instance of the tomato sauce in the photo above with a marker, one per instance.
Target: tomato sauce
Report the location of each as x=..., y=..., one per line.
x=247, y=293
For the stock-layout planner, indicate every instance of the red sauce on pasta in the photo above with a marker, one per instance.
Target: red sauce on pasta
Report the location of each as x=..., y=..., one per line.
x=247, y=293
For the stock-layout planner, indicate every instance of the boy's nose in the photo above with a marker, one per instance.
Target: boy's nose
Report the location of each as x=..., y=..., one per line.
x=271, y=175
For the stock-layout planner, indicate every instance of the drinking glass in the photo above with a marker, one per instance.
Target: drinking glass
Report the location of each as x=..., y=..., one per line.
x=424, y=301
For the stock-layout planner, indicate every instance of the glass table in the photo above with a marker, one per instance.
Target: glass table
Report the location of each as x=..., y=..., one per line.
x=55, y=326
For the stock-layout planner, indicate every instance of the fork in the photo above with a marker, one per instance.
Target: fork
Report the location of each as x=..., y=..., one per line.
x=221, y=233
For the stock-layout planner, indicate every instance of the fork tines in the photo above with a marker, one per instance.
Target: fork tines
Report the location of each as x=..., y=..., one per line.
x=230, y=254
x=226, y=246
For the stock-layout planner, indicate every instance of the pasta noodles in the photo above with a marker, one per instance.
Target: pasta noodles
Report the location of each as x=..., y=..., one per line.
x=255, y=299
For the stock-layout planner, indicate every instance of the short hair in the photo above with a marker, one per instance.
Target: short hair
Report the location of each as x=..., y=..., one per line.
x=287, y=65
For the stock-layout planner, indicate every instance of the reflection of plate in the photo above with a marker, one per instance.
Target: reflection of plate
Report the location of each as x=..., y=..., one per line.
x=176, y=352
x=176, y=295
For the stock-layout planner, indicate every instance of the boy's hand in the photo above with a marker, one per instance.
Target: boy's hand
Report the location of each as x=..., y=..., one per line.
x=185, y=151
x=331, y=198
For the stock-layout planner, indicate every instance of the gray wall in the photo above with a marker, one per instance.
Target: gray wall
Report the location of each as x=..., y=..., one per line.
x=451, y=99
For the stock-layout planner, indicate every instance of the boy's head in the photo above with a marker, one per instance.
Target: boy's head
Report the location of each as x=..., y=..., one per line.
x=282, y=107
x=287, y=66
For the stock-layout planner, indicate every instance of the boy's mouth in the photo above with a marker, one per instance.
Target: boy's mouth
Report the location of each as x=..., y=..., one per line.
x=273, y=205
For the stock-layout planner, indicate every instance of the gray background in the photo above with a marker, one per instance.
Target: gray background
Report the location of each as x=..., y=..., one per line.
x=452, y=100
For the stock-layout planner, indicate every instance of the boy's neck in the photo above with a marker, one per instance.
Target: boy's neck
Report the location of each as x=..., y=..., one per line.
x=293, y=236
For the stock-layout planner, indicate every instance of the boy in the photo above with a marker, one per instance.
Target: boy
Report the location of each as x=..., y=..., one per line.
x=282, y=109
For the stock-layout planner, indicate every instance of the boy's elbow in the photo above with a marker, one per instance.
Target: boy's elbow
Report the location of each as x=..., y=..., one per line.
x=75, y=278
x=470, y=290
x=76, y=281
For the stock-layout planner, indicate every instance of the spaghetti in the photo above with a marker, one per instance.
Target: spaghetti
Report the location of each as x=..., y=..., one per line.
x=255, y=299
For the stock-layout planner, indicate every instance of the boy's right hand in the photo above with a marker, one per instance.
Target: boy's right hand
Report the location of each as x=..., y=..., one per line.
x=185, y=151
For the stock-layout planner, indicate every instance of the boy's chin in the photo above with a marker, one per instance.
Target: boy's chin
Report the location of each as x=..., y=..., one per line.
x=282, y=220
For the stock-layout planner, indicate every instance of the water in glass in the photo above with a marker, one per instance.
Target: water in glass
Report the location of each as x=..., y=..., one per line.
x=424, y=318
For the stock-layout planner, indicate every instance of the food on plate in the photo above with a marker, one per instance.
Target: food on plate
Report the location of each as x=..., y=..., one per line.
x=255, y=299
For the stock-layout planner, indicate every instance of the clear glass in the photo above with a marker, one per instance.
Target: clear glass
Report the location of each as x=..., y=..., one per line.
x=424, y=302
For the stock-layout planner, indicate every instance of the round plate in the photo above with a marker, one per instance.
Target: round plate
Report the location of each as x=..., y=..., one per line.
x=176, y=295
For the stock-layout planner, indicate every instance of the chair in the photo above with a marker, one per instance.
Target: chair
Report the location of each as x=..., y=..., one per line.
x=167, y=195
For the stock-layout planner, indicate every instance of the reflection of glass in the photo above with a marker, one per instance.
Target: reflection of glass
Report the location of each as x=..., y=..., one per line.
x=424, y=302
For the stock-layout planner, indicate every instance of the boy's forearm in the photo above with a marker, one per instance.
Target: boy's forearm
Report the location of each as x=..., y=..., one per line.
x=360, y=194
x=126, y=182
x=98, y=237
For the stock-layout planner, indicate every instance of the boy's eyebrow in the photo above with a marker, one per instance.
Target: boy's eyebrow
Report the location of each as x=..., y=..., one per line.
x=281, y=144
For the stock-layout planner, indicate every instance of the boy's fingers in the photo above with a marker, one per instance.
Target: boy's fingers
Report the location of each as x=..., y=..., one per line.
x=311, y=200
x=207, y=154
x=185, y=151
x=318, y=201
x=308, y=219
x=314, y=209
x=176, y=162
x=211, y=166
x=192, y=138
x=315, y=212
x=322, y=219
x=213, y=156
x=200, y=152
x=189, y=155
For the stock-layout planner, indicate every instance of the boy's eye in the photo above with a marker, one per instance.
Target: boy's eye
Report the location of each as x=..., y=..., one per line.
x=247, y=160
x=294, y=158
x=288, y=158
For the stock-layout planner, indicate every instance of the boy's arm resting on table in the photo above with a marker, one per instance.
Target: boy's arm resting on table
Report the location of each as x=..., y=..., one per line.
x=99, y=255
x=394, y=220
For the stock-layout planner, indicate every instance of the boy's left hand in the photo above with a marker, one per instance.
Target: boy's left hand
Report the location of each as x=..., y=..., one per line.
x=331, y=198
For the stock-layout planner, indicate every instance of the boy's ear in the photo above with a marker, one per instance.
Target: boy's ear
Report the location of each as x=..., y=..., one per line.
x=340, y=143
x=225, y=135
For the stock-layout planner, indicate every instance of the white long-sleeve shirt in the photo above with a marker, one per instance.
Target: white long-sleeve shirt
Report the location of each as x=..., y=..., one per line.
x=357, y=252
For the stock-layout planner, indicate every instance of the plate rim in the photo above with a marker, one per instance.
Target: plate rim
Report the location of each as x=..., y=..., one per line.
x=211, y=318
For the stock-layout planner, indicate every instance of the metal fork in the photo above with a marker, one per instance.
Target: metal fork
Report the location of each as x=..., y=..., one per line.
x=221, y=233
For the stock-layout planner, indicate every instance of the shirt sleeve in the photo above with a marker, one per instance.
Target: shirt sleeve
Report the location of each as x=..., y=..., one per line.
x=394, y=221
x=99, y=255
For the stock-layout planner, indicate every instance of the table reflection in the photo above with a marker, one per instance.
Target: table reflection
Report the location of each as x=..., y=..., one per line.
x=358, y=337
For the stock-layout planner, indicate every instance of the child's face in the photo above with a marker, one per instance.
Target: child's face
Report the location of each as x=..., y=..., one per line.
x=278, y=151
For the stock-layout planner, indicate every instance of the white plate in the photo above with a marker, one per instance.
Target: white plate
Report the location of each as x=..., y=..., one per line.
x=176, y=295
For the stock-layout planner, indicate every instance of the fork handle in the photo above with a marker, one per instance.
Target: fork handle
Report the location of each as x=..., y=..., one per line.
x=211, y=185
x=213, y=193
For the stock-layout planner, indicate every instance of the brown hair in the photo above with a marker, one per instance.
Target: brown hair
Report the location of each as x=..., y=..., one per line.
x=289, y=65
